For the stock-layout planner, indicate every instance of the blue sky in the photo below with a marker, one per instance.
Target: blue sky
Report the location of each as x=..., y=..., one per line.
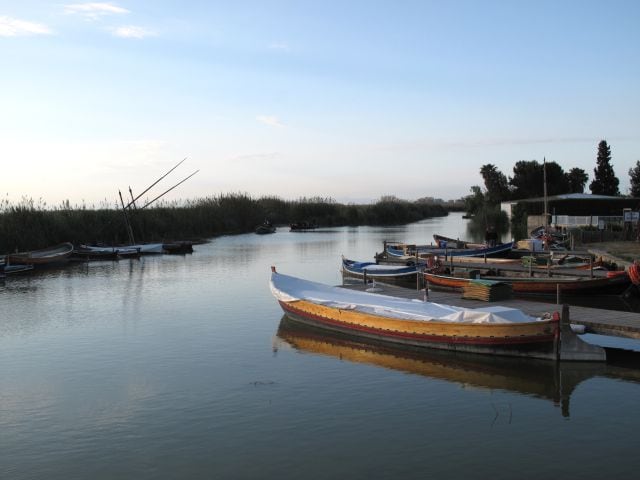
x=345, y=99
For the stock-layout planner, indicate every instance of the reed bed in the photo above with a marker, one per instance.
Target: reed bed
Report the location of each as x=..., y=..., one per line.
x=30, y=224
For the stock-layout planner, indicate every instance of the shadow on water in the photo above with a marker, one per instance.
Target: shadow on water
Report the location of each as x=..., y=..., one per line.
x=554, y=381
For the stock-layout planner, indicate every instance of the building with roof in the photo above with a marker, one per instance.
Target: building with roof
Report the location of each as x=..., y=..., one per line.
x=573, y=210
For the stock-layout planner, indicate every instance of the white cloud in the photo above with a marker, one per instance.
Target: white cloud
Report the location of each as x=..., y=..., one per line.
x=13, y=27
x=269, y=120
x=94, y=10
x=281, y=46
x=132, y=31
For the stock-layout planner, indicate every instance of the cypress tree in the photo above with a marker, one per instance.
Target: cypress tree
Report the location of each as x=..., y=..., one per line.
x=634, y=177
x=604, y=181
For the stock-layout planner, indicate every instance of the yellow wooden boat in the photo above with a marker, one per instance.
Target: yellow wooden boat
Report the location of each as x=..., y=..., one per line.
x=492, y=330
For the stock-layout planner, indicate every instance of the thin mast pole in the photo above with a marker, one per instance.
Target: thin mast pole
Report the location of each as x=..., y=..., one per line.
x=167, y=191
x=126, y=220
x=155, y=183
x=546, y=208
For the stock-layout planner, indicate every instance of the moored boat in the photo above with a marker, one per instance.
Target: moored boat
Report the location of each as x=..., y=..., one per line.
x=266, y=228
x=405, y=250
x=92, y=253
x=54, y=255
x=302, y=226
x=612, y=283
x=398, y=274
x=492, y=330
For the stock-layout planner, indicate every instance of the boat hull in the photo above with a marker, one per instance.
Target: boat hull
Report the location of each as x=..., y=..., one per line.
x=497, y=251
x=532, y=339
x=370, y=271
x=52, y=256
x=542, y=286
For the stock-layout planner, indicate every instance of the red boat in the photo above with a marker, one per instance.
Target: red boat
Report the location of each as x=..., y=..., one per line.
x=612, y=283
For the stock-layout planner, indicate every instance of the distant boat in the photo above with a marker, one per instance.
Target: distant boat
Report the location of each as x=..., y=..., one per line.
x=47, y=256
x=266, y=228
x=142, y=248
x=302, y=226
x=494, y=330
x=89, y=253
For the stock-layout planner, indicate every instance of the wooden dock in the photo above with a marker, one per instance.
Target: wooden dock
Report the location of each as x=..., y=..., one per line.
x=596, y=320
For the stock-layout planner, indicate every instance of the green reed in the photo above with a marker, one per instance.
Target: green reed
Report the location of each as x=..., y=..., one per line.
x=30, y=224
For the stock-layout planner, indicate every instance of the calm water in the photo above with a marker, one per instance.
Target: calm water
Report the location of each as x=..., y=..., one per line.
x=183, y=367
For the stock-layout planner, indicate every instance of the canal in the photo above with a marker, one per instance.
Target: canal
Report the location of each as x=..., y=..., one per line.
x=184, y=367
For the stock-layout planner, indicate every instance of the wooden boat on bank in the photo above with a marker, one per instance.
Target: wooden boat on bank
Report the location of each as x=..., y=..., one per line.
x=55, y=255
x=613, y=283
x=396, y=274
x=491, y=330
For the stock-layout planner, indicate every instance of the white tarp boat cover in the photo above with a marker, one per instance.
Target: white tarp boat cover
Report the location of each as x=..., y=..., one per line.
x=287, y=289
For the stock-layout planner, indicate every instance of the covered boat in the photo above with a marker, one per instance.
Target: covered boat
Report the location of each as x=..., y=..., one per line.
x=415, y=324
x=397, y=274
x=43, y=257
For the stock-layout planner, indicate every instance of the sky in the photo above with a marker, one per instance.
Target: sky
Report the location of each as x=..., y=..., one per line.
x=351, y=100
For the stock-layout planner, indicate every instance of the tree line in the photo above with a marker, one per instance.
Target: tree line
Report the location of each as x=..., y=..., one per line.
x=528, y=181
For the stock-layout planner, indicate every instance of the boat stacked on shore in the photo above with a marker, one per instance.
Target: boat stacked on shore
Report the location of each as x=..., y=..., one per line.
x=59, y=255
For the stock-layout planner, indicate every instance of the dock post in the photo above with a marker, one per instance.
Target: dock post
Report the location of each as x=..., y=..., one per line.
x=365, y=276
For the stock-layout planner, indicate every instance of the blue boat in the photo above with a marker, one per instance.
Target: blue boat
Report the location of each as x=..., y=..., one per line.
x=400, y=251
x=397, y=274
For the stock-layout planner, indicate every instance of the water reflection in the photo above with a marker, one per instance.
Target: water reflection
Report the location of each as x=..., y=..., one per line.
x=547, y=380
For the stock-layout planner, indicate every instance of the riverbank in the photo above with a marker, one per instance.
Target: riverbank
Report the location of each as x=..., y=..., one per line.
x=624, y=253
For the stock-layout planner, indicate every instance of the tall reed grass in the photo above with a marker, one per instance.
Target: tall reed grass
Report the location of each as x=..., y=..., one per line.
x=30, y=224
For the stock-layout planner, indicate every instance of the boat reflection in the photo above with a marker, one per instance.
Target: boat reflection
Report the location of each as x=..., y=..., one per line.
x=553, y=381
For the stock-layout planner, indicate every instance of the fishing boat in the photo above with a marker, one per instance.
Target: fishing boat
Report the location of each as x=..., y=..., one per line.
x=266, y=228
x=92, y=253
x=456, y=242
x=302, y=226
x=397, y=274
x=612, y=283
x=55, y=255
x=407, y=250
x=491, y=330
x=141, y=248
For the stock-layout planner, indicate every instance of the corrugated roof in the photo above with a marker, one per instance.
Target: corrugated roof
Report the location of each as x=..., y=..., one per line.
x=573, y=196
